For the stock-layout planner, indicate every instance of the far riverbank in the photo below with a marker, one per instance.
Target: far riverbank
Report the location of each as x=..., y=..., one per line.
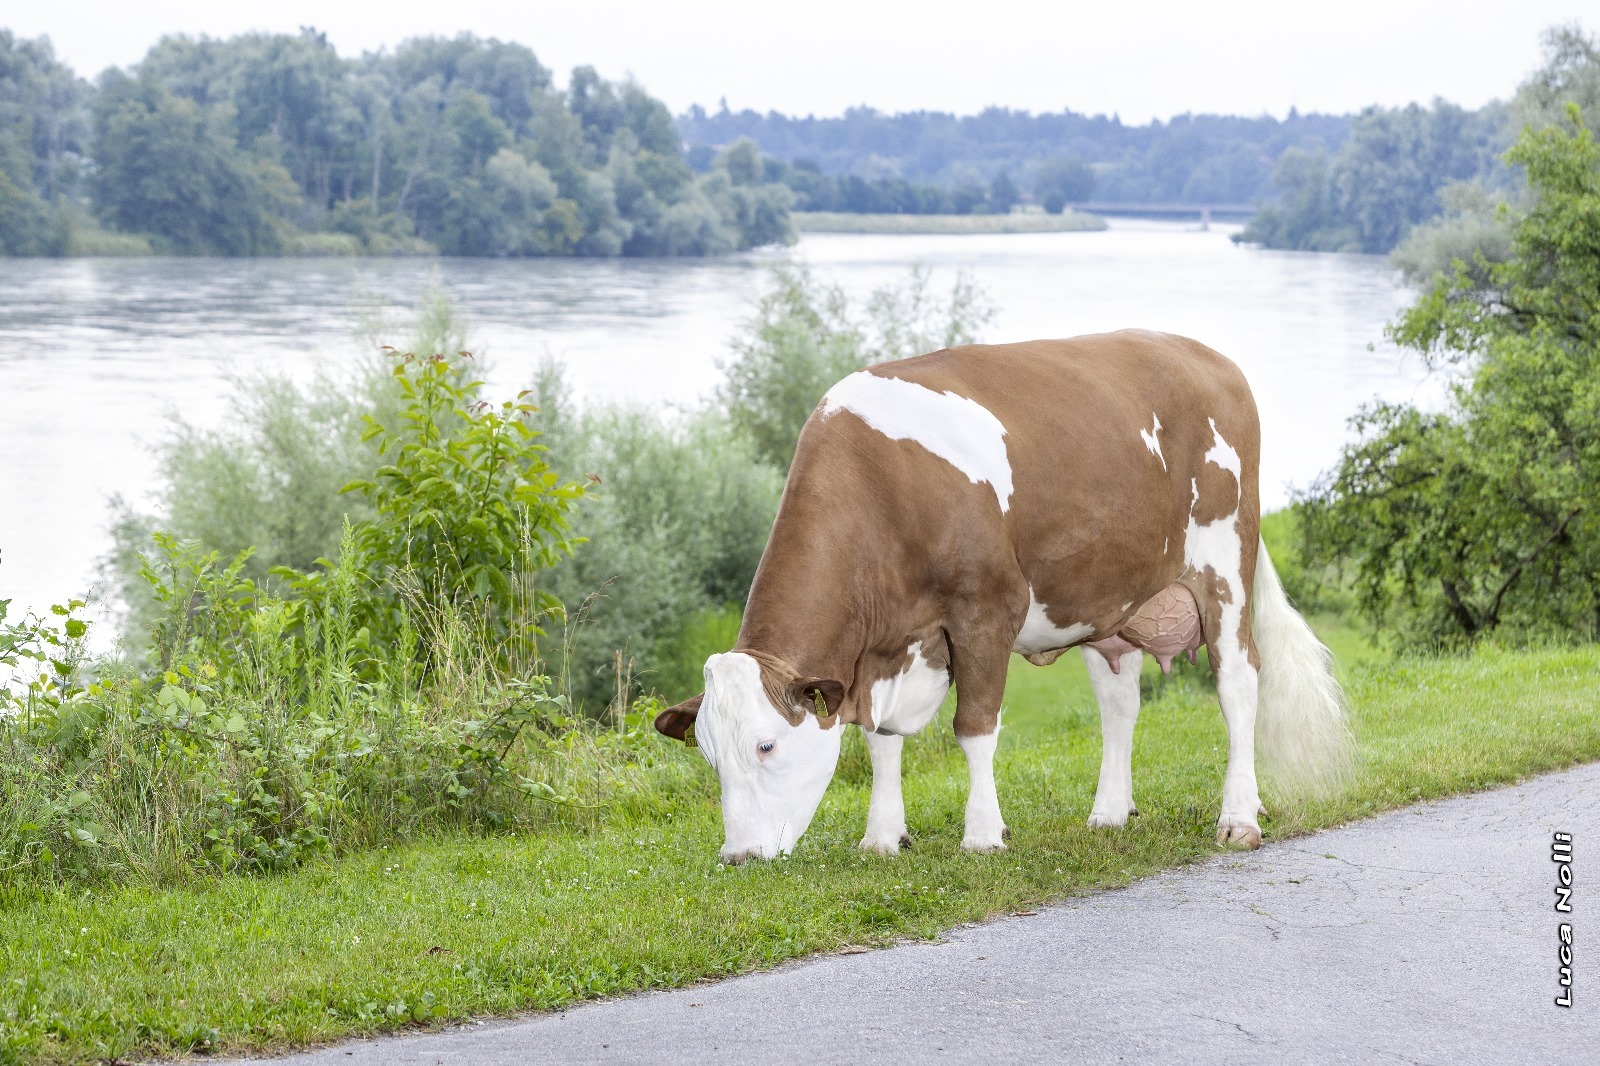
x=1030, y=222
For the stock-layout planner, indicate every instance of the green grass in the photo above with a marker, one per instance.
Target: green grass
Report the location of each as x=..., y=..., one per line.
x=1021, y=222
x=445, y=928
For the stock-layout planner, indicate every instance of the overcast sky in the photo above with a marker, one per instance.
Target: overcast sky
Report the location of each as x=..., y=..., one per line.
x=1155, y=58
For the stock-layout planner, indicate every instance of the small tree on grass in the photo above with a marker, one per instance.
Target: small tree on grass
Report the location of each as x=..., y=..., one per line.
x=1487, y=515
x=466, y=510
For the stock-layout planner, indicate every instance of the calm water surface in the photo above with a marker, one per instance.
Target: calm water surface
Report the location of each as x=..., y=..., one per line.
x=93, y=352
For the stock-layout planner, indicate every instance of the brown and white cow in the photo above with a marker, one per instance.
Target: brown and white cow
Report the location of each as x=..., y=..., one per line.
x=945, y=511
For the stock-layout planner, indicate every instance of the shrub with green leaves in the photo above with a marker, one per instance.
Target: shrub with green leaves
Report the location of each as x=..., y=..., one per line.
x=465, y=511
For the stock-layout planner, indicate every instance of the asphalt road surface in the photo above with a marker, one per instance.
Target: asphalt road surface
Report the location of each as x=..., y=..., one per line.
x=1427, y=935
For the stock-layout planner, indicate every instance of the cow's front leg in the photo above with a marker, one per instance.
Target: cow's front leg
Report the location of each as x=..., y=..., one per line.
x=886, y=815
x=986, y=830
x=1118, y=695
x=980, y=677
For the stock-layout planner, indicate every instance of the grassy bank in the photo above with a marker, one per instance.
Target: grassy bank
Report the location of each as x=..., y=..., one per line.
x=632, y=897
x=845, y=222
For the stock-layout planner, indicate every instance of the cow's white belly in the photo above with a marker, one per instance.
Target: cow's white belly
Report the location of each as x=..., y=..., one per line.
x=906, y=702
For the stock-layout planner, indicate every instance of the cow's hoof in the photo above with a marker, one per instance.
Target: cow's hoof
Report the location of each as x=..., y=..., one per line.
x=985, y=842
x=890, y=845
x=1239, y=836
x=1110, y=819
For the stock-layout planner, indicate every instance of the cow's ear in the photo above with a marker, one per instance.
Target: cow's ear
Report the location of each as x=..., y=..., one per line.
x=820, y=694
x=678, y=722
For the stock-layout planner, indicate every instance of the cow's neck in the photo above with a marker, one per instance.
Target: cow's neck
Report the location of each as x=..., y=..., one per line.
x=807, y=609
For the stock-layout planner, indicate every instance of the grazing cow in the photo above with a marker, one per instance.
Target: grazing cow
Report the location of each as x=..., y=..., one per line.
x=947, y=510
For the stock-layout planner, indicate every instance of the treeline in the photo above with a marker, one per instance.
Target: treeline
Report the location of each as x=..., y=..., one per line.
x=263, y=144
x=1402, y=168
x=1358, y=183
x=1190, y=159
x=1384, y=180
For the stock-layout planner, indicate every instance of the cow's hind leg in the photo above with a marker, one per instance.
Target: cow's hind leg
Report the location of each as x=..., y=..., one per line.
x=1118, y=694
x=1234, y=661
x=1241, y=800
x=886, y=814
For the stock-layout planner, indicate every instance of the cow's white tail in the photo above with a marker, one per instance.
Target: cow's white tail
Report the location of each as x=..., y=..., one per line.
x=1302, y=730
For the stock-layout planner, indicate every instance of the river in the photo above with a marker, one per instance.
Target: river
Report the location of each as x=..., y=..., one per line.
x=95, y=352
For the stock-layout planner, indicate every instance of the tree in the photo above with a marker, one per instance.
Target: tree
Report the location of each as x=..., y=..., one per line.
x=1570, y=73
x=241, y=145
x=1472, y=228
x=1192, y=157
x=168, y=167
x=1304, y=215
x=1475, y=229
x=1061, y=181
x=1002, y=194
x=1487, y=516
x=27, y=225
x=1387, y=176
x=43, y=137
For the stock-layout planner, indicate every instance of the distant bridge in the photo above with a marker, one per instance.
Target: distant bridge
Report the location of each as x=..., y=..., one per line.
x=1134, y=209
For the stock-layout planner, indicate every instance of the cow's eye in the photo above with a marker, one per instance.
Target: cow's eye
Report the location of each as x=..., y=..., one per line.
x=766, y=746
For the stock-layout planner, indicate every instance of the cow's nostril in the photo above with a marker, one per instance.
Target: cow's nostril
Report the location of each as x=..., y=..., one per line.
x=735, y=858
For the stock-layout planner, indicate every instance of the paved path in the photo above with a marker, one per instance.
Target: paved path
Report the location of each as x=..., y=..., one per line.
x=1426, y=935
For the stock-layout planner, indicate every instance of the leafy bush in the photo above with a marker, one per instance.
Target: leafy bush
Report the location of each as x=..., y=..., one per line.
x=1473, y=230
x=675, y=528
x=378, y=666
x=267, y=480
x=465, y=512
x=393, y=687
x=671, y=533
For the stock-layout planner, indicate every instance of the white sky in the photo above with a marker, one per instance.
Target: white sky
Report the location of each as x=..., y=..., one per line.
x=1145, y=59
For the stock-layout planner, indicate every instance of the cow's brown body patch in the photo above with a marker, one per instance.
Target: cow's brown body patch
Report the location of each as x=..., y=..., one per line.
x=880, y=544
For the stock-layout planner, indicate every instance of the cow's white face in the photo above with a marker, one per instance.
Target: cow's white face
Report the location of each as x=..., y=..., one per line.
x=773, y=773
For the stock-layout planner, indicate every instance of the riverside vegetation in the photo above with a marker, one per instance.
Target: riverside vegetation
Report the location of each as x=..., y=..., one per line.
x=371, y=775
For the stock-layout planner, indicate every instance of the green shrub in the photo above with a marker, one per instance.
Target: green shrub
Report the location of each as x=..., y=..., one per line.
x=316, y=244
x=316, y=671
x=675, y=527
x=464, y=512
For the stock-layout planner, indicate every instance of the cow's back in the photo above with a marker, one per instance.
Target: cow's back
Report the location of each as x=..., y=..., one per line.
x=1101, y=461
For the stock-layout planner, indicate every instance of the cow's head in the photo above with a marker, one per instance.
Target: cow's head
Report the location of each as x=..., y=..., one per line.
x=772, y=736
